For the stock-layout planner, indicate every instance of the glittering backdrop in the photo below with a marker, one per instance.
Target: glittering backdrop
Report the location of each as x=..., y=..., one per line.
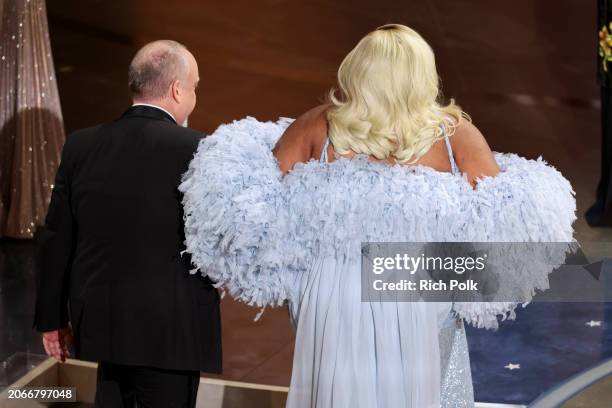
x=31, y=128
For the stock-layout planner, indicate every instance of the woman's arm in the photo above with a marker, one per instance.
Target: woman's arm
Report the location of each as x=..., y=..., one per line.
x=472, y=153
x=298, y=142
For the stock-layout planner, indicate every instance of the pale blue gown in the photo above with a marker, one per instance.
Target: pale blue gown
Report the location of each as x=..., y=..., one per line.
x=350, y=353
x=270, y=239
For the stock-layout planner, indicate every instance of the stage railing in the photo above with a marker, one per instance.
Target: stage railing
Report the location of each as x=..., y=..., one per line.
x=565, y=391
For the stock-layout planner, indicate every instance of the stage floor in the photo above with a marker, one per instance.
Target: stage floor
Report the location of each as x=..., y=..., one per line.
x=550, y=341
x=525, y=71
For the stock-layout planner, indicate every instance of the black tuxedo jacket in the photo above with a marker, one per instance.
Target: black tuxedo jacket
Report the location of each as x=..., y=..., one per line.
x=109, y=259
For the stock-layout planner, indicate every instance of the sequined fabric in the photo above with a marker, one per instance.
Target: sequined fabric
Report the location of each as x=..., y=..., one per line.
x=31, y=128
x=456, y=377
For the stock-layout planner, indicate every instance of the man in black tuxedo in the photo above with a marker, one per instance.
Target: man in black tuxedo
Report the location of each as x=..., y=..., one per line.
x=110, y=268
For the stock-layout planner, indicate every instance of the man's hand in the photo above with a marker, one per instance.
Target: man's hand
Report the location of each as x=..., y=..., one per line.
x=56, y=343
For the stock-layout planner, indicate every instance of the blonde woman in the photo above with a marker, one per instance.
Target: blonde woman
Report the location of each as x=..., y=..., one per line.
x=387, y=107
x=277, y=212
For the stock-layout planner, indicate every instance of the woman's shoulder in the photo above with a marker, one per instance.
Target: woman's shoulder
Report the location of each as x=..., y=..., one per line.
x=303, y=139
x=465, y=130
x=472, y=152
x=313, y=124
x=466, y=137
x=315, y=114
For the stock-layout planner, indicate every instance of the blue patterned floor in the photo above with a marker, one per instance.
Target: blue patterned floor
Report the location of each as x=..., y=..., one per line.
x=550, y=341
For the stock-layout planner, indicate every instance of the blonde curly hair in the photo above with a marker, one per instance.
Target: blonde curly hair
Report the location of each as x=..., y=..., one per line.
x=387, y=101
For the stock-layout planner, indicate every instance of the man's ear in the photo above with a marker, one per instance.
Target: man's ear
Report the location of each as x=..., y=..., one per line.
x=176, y=92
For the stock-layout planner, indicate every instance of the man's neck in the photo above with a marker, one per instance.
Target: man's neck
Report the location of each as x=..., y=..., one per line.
x=154, y=104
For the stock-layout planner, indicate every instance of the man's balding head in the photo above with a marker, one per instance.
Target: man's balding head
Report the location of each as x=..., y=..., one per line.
x=165, y=73
x=155, y=66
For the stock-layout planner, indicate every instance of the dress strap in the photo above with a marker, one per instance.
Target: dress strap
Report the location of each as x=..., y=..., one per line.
x=451, y=157
x=323, y=157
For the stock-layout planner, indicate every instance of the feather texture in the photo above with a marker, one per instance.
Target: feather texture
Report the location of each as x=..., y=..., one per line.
x=255, y=232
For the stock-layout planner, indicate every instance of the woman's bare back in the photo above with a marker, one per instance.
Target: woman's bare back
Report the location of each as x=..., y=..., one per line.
x=305, y=138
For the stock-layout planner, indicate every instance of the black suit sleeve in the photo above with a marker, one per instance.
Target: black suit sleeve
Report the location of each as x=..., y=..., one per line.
x=54, y=252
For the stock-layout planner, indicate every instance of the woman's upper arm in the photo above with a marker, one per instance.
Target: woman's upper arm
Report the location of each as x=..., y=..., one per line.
x=291, y=148
x=472, y=153
x=297, y=142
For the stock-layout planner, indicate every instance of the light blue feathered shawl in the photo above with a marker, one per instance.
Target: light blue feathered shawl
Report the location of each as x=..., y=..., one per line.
x=253, y=231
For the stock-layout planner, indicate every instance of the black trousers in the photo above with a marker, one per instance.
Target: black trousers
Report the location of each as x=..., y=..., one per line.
x=121, y=386
x=600, y=213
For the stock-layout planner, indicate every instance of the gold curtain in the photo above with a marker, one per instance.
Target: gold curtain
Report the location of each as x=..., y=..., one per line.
x=31, y=126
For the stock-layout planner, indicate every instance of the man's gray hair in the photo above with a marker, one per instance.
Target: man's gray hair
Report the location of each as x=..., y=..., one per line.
x=155, y=66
